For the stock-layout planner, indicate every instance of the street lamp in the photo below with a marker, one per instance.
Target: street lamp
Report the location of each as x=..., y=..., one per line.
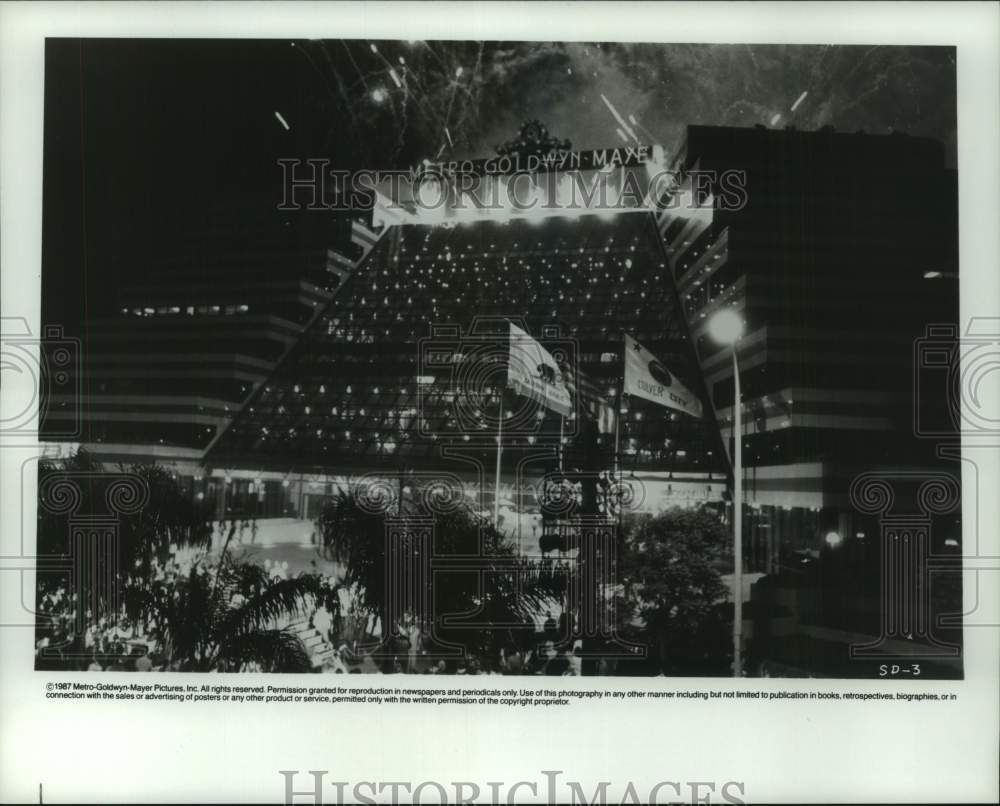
x=726, y=327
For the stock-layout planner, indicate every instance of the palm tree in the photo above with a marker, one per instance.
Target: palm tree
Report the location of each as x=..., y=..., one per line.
x=354, y=536
x=227, y=616
x=169, y=517
x=203, y=613
x=490, y=605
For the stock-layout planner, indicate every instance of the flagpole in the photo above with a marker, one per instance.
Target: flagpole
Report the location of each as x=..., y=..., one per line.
x=619, y=399
x=496, y=491
x=618, y=417
x=561, y=421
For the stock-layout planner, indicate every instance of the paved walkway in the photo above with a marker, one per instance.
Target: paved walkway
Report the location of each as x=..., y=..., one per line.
x=286, y=541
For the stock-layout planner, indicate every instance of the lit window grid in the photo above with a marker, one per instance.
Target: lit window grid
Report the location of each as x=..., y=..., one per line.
x=367, y=342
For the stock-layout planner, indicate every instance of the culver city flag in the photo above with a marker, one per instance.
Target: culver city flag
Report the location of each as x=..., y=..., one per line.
x=647, y=378
x=534, y=373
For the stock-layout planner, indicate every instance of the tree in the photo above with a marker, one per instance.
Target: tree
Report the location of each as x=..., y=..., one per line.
x=492, y=603
x=204, y=613
x=168, y=518
x=53, y=521
x=501, y=598
x=226, y=615
x=670, y=573
x=354, y=536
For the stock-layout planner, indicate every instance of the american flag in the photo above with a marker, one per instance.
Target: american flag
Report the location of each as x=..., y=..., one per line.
x=590, y=399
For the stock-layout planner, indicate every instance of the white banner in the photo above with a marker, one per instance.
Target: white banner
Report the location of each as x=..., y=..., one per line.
x=647, y=378
x=534, y=373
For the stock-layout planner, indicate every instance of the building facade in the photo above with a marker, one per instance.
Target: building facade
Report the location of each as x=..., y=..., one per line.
x=841, y=260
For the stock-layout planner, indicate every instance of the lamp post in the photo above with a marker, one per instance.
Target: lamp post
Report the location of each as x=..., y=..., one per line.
x=726, y=327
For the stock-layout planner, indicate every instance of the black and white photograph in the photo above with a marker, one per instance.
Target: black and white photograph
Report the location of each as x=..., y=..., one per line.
x=522, y=358
x=652, y=345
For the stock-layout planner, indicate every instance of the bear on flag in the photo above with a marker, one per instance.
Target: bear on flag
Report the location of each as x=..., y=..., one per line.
x=534, y=373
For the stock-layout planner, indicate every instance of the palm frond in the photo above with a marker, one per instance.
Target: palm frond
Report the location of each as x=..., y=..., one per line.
x=262, y=610
x=274, y=650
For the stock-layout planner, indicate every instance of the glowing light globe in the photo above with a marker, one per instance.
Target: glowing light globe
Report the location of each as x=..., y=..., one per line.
x=725, y=326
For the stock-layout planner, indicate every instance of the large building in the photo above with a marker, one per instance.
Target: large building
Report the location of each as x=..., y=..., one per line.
x=390, y=379
x=839, y=253
x=196, y=334
x=841, y=261
x=843, y=253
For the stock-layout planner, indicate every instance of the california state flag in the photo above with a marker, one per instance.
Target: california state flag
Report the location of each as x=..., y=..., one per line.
x=647, y=378
x=534, y=373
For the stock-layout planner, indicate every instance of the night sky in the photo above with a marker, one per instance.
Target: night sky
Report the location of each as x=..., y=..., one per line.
x=145, y=140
